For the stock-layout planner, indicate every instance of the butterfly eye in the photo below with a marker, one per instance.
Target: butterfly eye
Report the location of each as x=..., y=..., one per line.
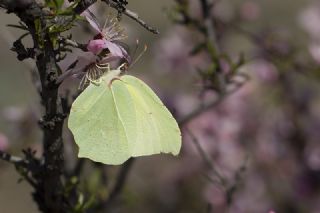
x=124, y=67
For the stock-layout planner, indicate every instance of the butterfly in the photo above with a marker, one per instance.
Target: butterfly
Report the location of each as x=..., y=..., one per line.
x=118, y=116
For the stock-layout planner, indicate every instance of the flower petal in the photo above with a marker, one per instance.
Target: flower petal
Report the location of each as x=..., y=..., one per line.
x=84, y=60
x=92, y=21
x=95, y=46
x=114, y=48
x=126, y=55
x=117, y=50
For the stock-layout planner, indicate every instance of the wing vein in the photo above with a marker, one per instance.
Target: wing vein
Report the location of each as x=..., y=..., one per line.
x=117, y=110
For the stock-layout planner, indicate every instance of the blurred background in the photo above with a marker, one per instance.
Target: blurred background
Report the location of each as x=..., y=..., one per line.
x=263, y=140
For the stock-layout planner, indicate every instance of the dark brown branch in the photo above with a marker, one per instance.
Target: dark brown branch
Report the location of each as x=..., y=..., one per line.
x=14, y=5
x=52, y=128
x=118, y=186
x=211, y=38
x=205, y=107
x=48, y=187
x=121, y=179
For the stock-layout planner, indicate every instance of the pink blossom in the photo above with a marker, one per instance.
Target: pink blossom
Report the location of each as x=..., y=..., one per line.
x=312, y=156
x=107, y=37
x=225, y=11
x=173, y=52
x=264, y=71
x=310, y=19
x=95, y=46
x=314, y=50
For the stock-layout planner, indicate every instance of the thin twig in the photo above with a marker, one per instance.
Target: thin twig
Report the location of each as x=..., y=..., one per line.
x=79, y=167
x=19, y=163
x=121, y=179
x=205, y=107
x=198, y=111
x=211, y=180
x=206, y=158
x=212, y=40
x=65, y=75
x=118, y=186
x=211, y=34
x=73, y=43
x=10, y=158
x=135, y=17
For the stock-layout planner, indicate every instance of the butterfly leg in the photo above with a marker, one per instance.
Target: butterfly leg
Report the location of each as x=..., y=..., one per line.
x=103, y=66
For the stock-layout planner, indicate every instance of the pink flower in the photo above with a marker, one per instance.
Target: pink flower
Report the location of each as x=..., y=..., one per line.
x=314, y=50
x=107, y=37
x=95, y=46
x=96, y=60
x=309, y=20
x=172, y=52
x=265, y=71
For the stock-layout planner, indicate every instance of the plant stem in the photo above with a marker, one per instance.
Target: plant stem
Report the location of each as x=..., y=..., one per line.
x=50, y=187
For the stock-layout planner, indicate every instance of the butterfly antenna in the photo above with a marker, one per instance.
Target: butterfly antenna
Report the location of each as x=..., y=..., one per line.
x=135, y=49
x=139, y=56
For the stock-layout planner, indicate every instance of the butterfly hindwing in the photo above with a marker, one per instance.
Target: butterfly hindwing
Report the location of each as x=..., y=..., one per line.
x=162, y=129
